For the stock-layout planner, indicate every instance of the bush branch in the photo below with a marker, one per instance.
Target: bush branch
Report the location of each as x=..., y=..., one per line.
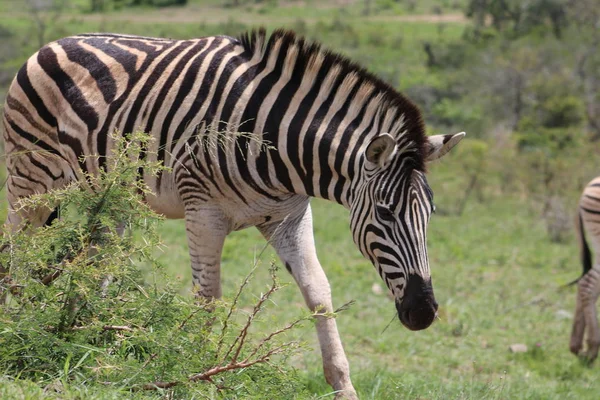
x=273, y=334
x=236, y=298
x=159, y=385
x=117, y=328
x=241, y=338
x=207, y=376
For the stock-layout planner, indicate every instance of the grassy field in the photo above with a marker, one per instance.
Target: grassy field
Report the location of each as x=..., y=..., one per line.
x=498, y=281
x=496, y=275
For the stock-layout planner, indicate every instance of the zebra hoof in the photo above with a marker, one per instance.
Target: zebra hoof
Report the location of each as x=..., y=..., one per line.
x=346, y=395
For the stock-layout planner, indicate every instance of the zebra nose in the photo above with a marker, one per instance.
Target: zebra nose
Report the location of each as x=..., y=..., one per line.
x=418, y=307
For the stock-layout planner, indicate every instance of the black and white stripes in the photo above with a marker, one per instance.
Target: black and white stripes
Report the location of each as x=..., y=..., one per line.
x=250, y=128
x=585, y=322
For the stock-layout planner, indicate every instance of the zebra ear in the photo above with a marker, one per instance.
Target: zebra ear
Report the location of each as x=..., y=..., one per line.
x=439, y=145
x=381, y=149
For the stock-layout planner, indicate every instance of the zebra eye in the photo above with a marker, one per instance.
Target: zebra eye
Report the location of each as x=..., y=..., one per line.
x=385, y=213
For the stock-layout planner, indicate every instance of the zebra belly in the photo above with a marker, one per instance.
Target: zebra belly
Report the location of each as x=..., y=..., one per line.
x=167, y=204
x=262, y=211
x=165, y=199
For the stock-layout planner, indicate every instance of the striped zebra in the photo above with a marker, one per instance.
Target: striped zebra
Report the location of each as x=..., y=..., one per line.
x=588, y=285
x=333, y=130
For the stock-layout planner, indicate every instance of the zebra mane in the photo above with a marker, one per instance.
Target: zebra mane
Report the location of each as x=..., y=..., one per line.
x=410, y=128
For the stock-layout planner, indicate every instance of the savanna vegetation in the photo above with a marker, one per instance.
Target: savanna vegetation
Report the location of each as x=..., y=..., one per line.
x=521, y=78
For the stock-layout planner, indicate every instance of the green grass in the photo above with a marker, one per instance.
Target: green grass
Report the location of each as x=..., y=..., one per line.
x=498, y=281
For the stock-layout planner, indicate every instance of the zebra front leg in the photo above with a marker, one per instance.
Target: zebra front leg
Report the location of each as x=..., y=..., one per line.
x=206, y=229
x=293, y=240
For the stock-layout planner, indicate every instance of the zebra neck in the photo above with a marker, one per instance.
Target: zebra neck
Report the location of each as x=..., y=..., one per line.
x=322, y=161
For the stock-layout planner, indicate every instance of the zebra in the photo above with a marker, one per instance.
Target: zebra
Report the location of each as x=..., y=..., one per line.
x=334, y=131
x=588, y=285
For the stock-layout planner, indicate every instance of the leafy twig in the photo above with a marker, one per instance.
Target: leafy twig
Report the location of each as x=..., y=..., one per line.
x=272, y=335
x=239, y=343
x=236, y=298
x=241, y=338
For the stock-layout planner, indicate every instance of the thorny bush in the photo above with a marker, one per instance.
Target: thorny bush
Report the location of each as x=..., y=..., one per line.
x=78, y=312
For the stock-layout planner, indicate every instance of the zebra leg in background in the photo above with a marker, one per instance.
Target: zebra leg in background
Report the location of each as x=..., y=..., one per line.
x=206, y=227
x=588, y=290
x=578, y=331
x=294, y=242
x=585, y=322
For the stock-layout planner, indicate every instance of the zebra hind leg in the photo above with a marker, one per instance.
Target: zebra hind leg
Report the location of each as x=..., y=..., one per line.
x=588, y=291
x=578, y=331
x=585, y=322
x=206, y=229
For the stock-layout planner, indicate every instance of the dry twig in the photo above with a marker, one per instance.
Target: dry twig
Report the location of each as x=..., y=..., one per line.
x=241, y=338
x=238, y=344
x=117, y=328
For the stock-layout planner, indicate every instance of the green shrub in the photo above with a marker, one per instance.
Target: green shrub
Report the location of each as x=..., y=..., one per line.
x=455, y=114
x=64, y=327
x=109, y=5
x=562, y=112
x=547, y=140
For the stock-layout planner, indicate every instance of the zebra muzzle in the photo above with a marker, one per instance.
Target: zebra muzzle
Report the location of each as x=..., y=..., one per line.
x=418, y=308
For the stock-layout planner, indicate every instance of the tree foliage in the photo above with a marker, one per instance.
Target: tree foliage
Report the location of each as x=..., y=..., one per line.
x=518, y=18
x=107, y=5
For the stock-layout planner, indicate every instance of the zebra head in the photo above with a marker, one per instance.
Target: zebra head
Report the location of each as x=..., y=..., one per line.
x=389, y=219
